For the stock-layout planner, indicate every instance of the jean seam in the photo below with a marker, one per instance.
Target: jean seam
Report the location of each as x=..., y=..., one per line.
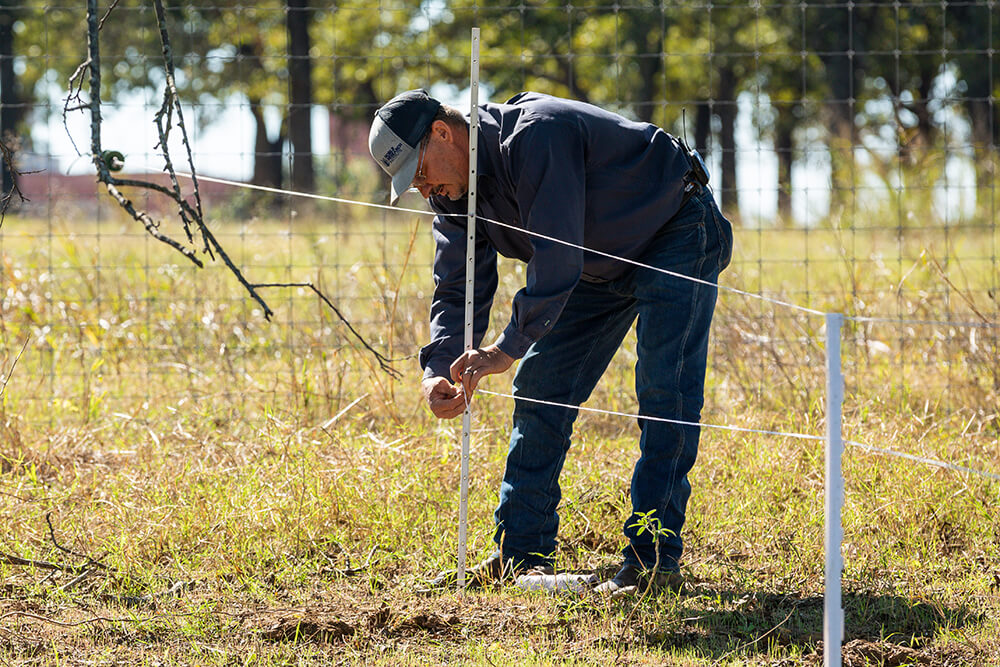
x=679, y=369
x=553, y=479
x=576, y=381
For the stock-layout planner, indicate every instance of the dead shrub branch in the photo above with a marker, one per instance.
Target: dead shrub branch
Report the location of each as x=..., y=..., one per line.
x=8, y=197
x=170, y=117
x=10, y=373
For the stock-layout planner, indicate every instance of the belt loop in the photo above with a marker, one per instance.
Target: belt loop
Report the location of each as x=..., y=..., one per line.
x=691, y=188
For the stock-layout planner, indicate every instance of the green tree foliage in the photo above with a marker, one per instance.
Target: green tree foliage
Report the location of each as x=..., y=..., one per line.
x=970, y=28
x=864, y=76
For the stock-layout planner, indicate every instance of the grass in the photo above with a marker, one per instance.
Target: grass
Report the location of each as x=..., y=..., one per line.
x=177, y=438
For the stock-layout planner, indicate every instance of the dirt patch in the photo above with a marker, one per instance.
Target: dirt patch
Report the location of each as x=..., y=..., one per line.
x=859, y=653
x=863, y=653
x=332, y=626
x=308, y=628
x=395, y=623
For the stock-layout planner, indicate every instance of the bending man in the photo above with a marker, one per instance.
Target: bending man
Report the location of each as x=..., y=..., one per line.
x=570, y=171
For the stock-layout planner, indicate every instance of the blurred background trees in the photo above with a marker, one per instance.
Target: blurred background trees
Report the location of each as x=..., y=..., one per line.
x=881, y=90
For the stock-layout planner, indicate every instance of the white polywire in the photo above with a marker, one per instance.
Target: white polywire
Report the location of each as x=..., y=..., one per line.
x=307, y=195
x=654, y=268
x=470, y=290
x=743, y=429
x=929, y=323
x=633, y=262
x=870, y=448
x=739, y=429
x=922, y=459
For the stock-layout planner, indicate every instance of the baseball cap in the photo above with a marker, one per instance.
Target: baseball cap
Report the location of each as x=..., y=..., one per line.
x=394, y=140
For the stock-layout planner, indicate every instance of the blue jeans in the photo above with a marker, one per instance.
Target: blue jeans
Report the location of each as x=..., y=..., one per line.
x=674, y=317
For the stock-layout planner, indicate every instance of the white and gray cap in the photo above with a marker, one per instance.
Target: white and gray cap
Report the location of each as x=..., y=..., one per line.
x=394, y=140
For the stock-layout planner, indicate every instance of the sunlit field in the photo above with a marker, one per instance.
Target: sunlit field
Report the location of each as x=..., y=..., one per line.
x=184, y=482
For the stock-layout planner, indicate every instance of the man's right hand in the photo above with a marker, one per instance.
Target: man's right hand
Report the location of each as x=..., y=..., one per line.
x=444, y=399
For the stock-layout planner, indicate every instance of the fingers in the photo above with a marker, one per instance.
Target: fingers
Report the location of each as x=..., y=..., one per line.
x=462, y=366
x=471, y=376
x=447, y=408
x=444, y=399
x=470, y=368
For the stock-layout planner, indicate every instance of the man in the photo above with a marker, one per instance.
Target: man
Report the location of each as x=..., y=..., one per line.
x=573, y=172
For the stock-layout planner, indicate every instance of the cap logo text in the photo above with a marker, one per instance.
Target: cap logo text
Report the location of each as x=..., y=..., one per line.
x=392, y=154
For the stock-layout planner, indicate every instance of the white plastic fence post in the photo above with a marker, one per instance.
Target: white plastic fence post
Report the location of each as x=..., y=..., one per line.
x=470, y=284
x=833, y=612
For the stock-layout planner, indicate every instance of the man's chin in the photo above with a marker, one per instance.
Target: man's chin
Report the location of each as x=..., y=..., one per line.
x=461, y=193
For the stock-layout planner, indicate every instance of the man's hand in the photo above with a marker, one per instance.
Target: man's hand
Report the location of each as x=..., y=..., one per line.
x=474, y=365
x=444, y=399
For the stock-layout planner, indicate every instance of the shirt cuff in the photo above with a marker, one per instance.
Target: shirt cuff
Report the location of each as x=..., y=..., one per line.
x=513, y=343
x=438, y=368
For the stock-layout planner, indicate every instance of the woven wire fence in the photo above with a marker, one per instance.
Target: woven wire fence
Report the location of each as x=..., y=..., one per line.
x=853, y=145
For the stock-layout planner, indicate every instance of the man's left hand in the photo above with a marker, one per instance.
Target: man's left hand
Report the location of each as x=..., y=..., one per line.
x=476, y=364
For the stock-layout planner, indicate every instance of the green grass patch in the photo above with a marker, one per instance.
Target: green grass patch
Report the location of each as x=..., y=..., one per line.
x=254, y=493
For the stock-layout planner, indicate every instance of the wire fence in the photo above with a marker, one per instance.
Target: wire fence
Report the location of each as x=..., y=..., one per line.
x=854, y=144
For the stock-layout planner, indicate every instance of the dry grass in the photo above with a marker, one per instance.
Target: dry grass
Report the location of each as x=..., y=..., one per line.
x=178, y=439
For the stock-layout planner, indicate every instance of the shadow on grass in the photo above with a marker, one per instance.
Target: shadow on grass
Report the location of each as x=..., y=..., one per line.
x=879, y=629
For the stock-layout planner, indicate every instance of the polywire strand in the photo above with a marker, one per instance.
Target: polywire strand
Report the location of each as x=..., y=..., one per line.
x=743, y=429
x=930, y=323
x=666, y=420
x=667, y=272
x=922, y=459
x=515, y=228
x=596, y=252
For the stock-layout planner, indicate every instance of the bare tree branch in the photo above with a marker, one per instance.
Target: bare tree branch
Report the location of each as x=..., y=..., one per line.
x=84, y=570
x=90, y=561
x=8, y=158
x=151, y=225
x=384, y=363
x=170, y=101
x=107, y=14
x=190, y=215
x=189, y=209
x=75, y=88
x=6, y=379
x=11, y=559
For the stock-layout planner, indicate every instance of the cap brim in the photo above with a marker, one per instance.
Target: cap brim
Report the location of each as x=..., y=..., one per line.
x=403, y=178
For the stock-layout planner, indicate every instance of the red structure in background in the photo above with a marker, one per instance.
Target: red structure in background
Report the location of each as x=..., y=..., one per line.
x=50, y=193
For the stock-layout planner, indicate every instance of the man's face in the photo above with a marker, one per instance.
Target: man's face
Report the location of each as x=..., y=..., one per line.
x=443, y=167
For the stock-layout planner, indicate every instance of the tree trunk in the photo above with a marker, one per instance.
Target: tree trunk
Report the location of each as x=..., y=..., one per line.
x=841, y=46
x=267, y=153
x=300, y=96
x=645, y=30
x=914, y=144
x=727, y=139
x=783, y=132
x=702, y=129
x=11, y=108
x=984, y=125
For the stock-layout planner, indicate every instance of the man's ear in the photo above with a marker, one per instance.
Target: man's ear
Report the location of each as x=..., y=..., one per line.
x=442, y=130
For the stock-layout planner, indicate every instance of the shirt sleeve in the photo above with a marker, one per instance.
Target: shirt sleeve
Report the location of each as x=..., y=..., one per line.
x=547, y=163
x=447, y=317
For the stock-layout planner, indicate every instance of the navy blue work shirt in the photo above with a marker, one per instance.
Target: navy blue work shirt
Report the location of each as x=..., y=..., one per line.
x=565, y=169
